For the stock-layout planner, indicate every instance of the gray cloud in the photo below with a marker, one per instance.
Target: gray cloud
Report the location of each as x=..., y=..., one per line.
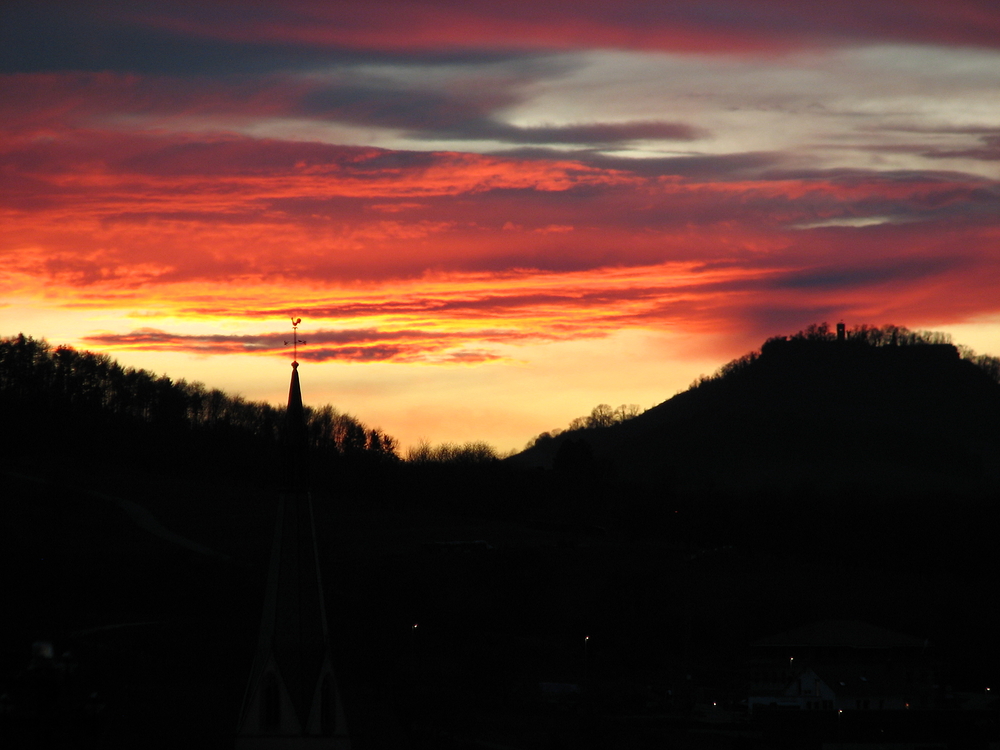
x=988, y=151
x=438, y=114
x=96, y=36
x=593, y=134
x=852, y=277
x=706, y=167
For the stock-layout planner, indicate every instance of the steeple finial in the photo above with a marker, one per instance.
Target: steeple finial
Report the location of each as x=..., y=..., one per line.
x=296, y=440
x=295, y=341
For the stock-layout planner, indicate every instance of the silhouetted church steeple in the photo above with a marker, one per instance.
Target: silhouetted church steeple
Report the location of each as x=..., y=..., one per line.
x=296, y=439
x=292, y=698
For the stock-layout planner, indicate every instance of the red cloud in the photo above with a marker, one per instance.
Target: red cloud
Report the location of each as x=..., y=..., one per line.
x=681, y=25
x=132, y=210
x=451, y=257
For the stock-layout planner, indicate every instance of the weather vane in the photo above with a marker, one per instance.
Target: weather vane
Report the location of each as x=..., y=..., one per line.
x=295, y=340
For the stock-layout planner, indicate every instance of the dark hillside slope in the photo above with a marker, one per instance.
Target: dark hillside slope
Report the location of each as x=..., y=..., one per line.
x=817, y=414
x=70, y=412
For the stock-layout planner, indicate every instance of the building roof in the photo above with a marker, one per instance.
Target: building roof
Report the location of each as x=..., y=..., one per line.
x=849, y=633
x=860, y=682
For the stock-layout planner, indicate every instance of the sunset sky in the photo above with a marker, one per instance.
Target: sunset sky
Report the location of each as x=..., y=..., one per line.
x=492, y=216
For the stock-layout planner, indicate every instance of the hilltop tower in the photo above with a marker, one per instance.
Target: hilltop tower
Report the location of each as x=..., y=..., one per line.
x=292, y=699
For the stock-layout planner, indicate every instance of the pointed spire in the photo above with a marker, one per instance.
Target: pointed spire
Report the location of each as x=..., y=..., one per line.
x=296, y=437
x=295, y=394
x=292, y=699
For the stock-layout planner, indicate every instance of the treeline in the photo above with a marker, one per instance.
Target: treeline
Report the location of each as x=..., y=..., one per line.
x=602, y=415
x=861, y=335
x=472, y=453
x=63, y=386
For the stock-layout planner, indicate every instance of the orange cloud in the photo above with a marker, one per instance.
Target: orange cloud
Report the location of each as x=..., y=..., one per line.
x=109, y=201
x=156, y=215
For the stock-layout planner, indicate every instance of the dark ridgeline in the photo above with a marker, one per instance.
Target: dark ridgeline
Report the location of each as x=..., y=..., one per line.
x=881, y=448
x=88, y=412
x=292, y=698
x=884, y=415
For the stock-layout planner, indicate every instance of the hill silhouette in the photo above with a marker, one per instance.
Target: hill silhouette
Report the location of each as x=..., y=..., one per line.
x=881, y=412
x=79, y=409
x=139, y=536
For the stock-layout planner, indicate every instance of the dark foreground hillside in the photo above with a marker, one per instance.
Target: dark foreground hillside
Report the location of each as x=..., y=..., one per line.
x=483, y=605
x=163, y=633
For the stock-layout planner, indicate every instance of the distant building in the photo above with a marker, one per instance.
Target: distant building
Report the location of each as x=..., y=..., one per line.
x=842, y=665
x=292, y=700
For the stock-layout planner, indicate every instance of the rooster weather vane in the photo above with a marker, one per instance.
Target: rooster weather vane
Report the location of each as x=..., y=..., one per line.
x=295, y=340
